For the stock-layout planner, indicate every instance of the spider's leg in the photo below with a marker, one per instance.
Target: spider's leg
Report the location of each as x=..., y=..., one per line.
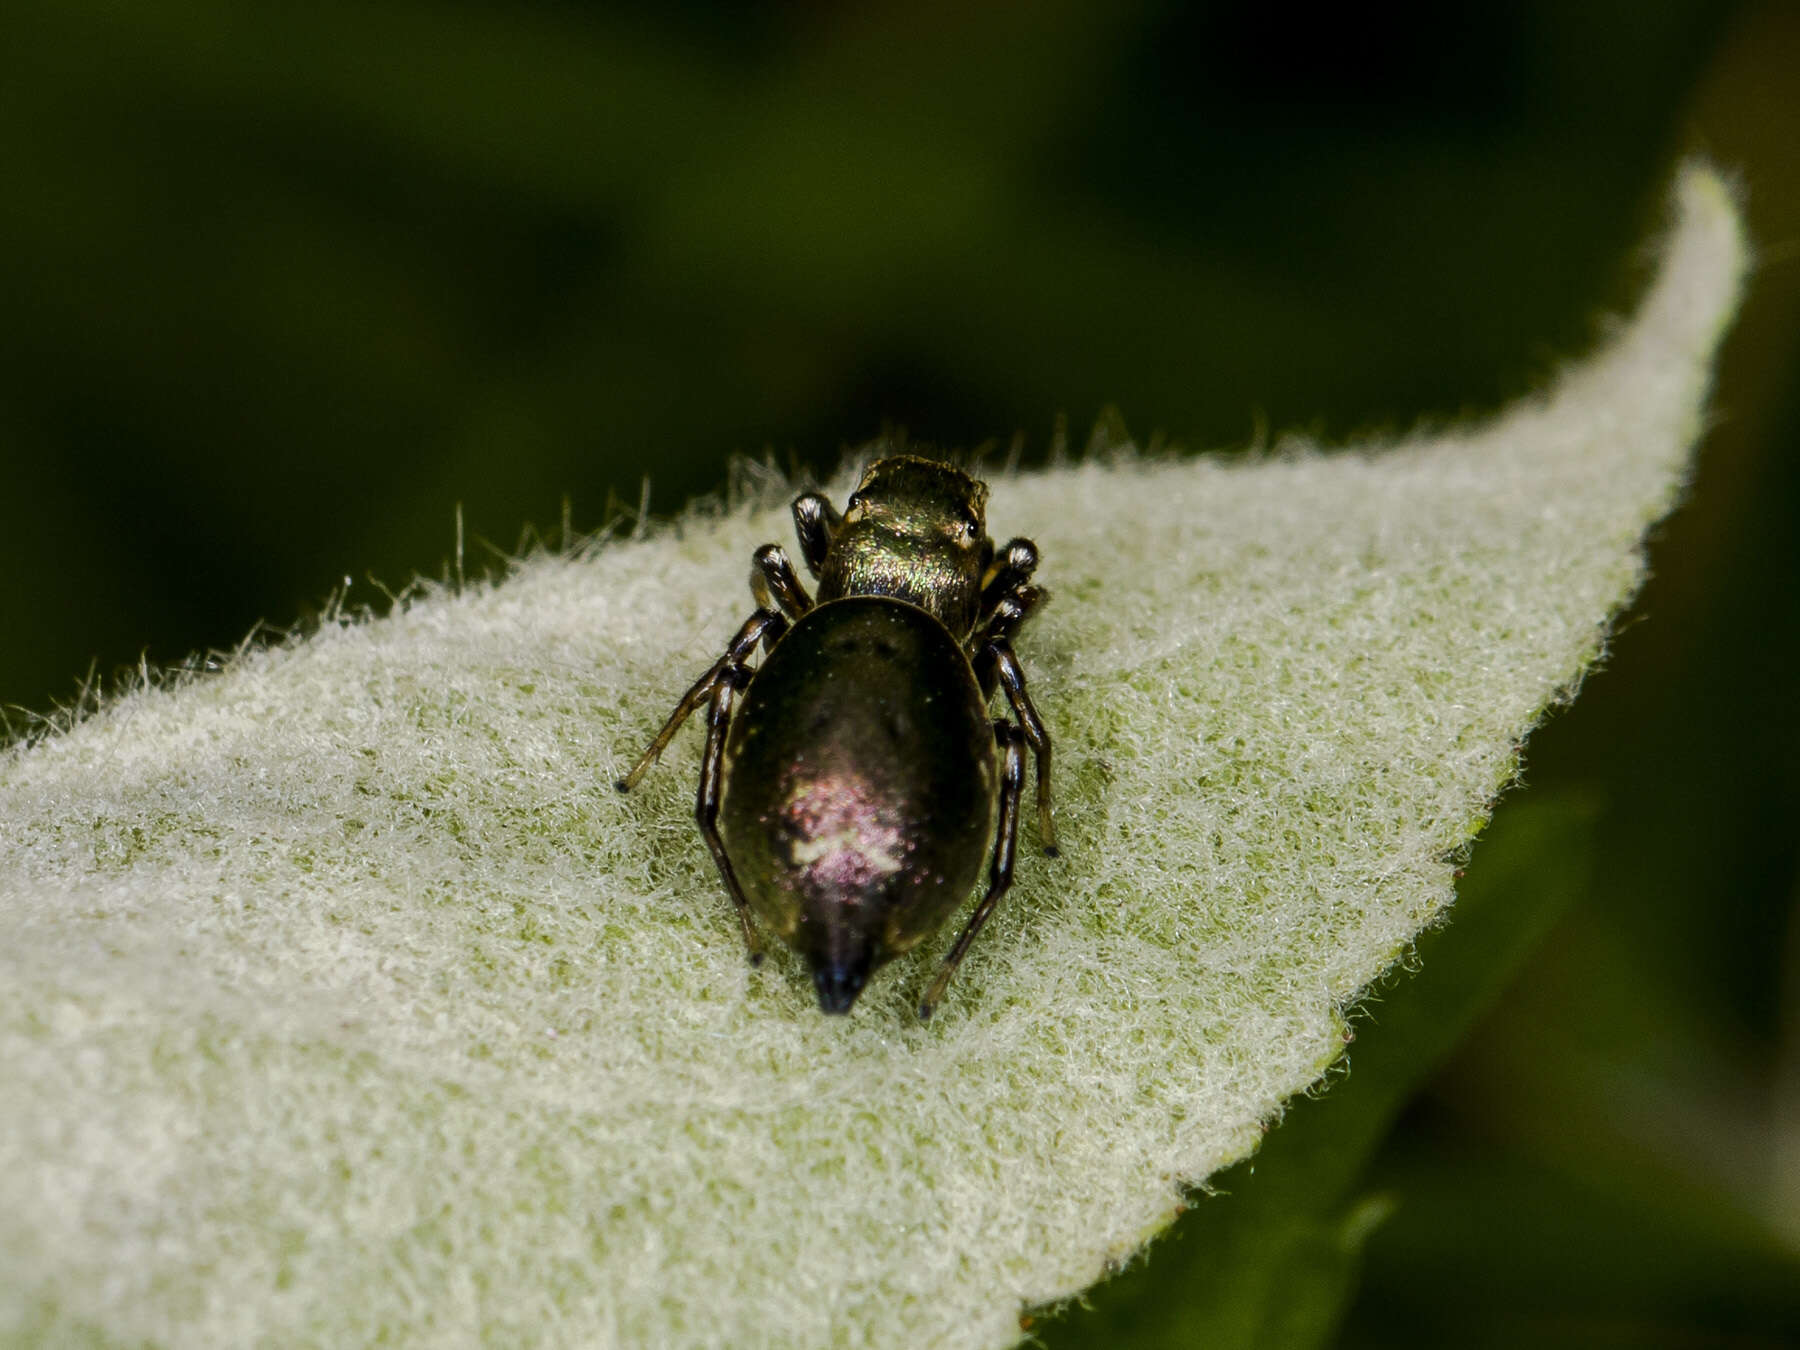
x=764, y=625
x=1000, y=873
x=815, y=521
x=1012, y=679
x=1011, y=568
x=773, y=583
x=706, y=800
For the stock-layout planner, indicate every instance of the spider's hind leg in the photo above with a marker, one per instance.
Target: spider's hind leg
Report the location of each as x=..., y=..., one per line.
x=996, y=666
x=765, y=626
x=1000, y=872
x=706, y=798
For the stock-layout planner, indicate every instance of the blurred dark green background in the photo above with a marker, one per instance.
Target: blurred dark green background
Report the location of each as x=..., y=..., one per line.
x=283, y=285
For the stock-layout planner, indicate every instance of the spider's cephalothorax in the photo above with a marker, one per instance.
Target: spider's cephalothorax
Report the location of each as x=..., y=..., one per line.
x=848, y=800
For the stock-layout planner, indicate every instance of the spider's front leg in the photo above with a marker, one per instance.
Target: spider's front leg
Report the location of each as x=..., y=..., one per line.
x=816, y=520
x=1011, y=569
x=773, y=583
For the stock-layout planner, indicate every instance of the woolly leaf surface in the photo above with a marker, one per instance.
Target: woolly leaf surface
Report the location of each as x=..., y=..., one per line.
x=346, y=1001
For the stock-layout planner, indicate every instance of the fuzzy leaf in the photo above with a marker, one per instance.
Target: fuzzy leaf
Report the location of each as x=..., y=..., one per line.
x=346, y=1001
x=1271, y=1259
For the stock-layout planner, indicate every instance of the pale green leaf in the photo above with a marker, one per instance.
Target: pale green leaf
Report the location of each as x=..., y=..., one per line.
x=346, y=1002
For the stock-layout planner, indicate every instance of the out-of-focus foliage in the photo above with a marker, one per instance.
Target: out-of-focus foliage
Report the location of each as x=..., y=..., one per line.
x=284, y=285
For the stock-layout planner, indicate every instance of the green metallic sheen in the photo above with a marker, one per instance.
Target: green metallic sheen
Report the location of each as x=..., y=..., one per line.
x=915, y=531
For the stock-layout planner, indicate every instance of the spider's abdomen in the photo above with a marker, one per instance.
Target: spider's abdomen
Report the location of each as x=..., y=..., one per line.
x=860, y=781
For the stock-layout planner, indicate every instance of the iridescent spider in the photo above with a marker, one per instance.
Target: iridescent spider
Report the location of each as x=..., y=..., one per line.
x=848, y=799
